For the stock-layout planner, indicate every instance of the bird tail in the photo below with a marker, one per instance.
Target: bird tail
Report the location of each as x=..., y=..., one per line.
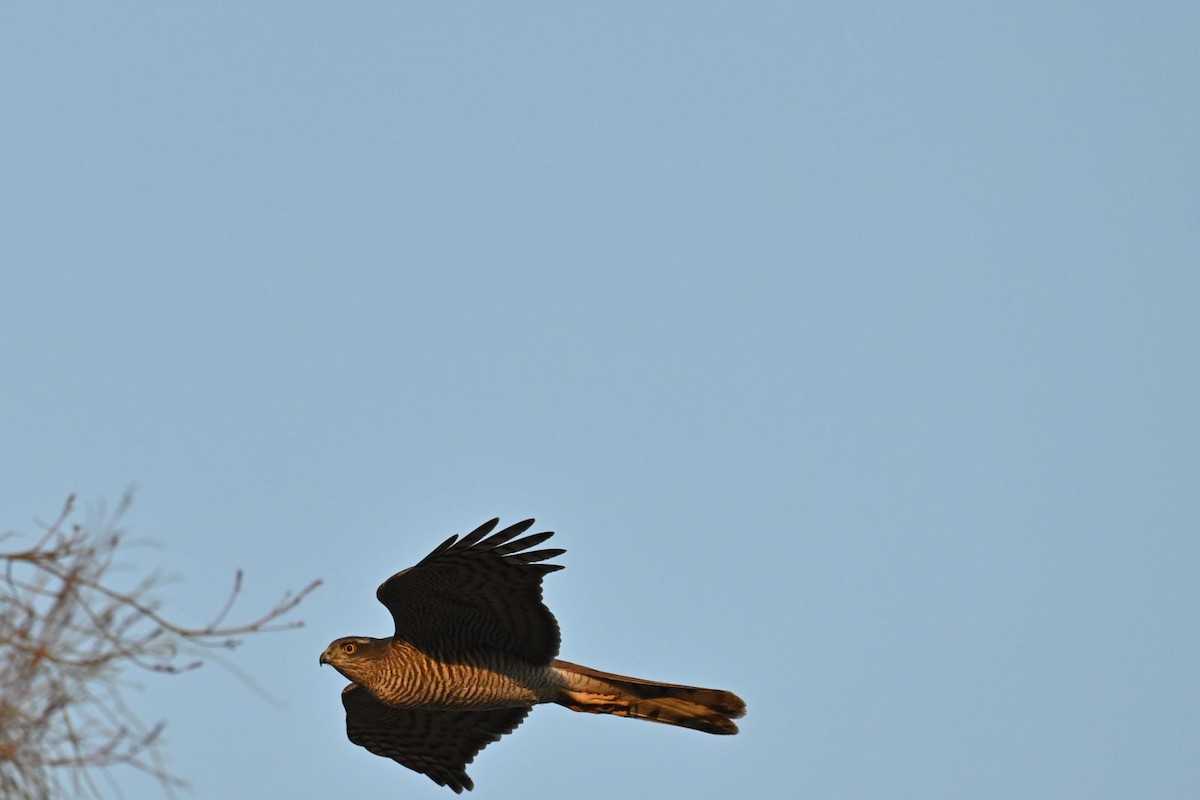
x=596, y=692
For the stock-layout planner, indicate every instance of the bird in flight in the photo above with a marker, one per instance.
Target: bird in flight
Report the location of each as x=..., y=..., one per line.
x=474, y=650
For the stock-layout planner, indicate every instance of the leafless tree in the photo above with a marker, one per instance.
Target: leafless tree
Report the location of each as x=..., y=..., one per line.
x=68, y=637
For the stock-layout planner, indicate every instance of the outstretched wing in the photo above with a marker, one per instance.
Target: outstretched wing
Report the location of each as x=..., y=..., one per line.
x=477, y=593
x=439, y=744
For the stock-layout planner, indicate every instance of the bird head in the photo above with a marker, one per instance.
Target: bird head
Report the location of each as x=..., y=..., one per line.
x=348, y=654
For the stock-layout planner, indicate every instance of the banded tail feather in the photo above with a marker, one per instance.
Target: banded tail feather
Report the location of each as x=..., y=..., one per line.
x=595, y=692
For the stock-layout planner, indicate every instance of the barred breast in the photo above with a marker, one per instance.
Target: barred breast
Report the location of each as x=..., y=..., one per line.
x=410, y=678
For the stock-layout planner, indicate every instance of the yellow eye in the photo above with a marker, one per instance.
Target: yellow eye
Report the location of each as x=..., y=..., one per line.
x=349, y=647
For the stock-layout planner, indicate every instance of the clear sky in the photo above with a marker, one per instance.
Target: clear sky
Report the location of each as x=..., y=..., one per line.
x=850, y=348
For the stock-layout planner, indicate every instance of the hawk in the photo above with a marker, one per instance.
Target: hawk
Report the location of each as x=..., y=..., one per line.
x=474, y=650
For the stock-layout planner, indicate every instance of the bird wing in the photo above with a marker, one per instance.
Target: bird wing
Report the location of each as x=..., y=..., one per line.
x=478, y=592
x=439, y=744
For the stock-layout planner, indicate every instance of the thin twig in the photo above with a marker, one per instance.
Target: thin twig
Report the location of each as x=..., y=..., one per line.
x=66, y=636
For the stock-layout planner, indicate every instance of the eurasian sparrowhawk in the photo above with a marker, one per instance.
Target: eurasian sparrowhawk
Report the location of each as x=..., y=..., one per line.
x=474, y=651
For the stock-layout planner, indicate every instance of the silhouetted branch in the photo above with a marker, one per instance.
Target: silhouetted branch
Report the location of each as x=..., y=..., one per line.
x=66, y=634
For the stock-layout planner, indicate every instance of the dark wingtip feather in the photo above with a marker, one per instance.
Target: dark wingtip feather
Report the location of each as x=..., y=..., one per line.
x=480, y=532
x=541, y=555
x=522, y=526
x=454, y=781
x=497, y=539
x=437, y=551
x=524, y=543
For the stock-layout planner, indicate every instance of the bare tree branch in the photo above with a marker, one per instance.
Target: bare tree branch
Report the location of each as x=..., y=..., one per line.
x=66, y=637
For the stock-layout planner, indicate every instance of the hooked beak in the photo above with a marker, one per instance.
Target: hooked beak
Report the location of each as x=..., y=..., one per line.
x=324, y=660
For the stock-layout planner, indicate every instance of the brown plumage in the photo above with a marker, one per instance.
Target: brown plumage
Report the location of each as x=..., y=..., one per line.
x=474, y=650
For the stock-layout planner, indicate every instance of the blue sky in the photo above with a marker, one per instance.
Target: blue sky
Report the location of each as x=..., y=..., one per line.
x=850, y=349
